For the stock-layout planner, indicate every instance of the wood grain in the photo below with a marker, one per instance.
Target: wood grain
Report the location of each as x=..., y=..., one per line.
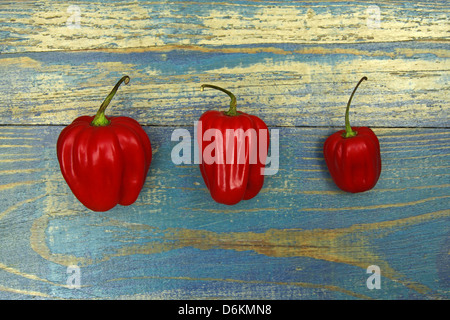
x=292, y=63
x=284, y=85
x=43, y=25
x=309, y=239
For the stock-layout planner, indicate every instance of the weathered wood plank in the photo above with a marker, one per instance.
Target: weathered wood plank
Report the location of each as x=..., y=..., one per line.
x=286, y=85
x=61, y=25
x=302, y=237
x=292, y=63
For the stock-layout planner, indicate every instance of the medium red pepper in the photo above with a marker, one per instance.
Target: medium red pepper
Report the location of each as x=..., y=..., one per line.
x=104, y=160
x=232, y=165
x=353, y=156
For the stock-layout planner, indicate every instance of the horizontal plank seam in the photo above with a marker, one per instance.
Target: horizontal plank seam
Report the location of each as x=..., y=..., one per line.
x=172, y=47
x=189, y=125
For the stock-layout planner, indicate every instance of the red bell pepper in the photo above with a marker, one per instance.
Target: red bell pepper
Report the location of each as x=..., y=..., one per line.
x=104, y=160
x=353, y=156
x=233, y=169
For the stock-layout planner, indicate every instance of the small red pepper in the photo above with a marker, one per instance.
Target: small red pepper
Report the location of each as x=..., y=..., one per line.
x=353, y=156
x=104, y=160
x=234, y=170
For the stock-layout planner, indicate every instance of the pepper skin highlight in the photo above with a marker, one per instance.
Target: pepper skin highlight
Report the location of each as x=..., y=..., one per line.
x=353, y=156
x=234, y=171
x=104, y=160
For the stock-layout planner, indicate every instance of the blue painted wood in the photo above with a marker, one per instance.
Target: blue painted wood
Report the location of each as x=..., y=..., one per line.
x=60, y=26
x=292, y=63
x=300, y=238
x=304, y=85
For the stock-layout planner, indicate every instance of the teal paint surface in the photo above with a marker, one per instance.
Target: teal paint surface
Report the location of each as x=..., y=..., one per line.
x=174, y=199
x=170, y=80
x=294, y=64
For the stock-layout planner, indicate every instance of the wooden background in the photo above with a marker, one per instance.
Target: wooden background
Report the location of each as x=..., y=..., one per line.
x=292, y=63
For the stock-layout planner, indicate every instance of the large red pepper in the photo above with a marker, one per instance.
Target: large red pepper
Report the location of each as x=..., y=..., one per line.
x=233, y=167
x=104, y=160
x=353, y=156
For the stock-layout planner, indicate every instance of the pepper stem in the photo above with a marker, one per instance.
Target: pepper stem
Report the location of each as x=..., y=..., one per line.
x=348, y=129
x=100, y=119
x=232, y=111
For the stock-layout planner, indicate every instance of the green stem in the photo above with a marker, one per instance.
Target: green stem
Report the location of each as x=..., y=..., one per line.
x=232, y=111
x=100, y=119
x=348, y=129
